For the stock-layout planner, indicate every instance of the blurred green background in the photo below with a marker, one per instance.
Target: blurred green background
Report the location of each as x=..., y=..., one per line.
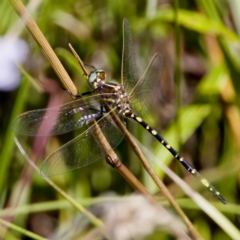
x=196, y=107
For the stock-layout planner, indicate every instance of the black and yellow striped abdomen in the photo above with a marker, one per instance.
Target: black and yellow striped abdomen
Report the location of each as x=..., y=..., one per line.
x=130, y=114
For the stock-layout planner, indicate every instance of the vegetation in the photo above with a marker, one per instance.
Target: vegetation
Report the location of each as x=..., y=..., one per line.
x=195, y=108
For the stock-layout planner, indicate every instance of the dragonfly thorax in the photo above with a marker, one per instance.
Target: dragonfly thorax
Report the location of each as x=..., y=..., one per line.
x=96, y=78
x=115, y=95
x=112, y=93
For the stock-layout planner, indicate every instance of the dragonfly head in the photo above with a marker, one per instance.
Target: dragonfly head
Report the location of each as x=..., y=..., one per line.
x=96, y=78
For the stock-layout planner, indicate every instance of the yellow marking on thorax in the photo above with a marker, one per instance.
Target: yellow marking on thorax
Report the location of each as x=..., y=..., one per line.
x=109, y=100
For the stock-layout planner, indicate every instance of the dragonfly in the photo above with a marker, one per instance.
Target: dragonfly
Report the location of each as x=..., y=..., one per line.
x=93, y=109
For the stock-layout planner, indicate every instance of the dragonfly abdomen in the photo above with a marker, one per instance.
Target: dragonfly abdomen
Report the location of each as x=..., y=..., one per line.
x=130, y=114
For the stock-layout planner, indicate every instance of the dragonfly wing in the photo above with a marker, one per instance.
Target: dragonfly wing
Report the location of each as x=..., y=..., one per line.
x=82, y=150
x=140, y=90
x=58, y=120
x=129, y=70
x=143, y=92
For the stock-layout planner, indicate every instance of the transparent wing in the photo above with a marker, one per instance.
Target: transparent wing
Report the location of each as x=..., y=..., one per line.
x=58, y=120
x=143, y=92
x=129, y=74
x=82, y=150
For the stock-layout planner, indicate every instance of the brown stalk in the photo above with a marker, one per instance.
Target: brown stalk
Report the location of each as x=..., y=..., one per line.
x=155, y=178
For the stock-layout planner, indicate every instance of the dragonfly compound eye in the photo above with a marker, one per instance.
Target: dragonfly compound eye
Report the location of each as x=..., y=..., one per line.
x=92, y=79
x=101, y=74
x=96, y=77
